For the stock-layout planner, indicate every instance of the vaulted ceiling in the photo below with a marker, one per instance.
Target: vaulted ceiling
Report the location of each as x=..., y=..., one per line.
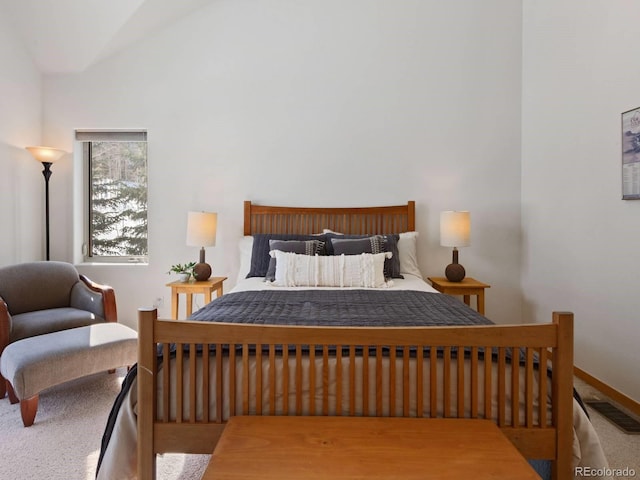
x=66, y=36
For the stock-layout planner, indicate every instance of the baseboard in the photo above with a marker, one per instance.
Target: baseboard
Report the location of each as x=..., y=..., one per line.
x=612, y=393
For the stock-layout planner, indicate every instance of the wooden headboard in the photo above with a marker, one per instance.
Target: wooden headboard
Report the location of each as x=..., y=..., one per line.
x=307, y=221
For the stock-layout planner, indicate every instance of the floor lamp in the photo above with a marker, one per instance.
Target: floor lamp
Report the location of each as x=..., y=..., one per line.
x=46, y=156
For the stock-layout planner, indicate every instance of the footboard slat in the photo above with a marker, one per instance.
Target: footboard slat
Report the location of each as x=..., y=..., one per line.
x=352, y=380
x=258, y=389
x=325, y=380
x=488, y=392
x=433, y=383
x=179, y=383
x=192, y=384
x=219, y=384
x=446, y=382
x=298, y=380
x=339, y=383
x=405, y=381
x=529, y=394
x=461, y=384
x=383, y=369
x=285, y=379
x=312, y=379
x=515, y=387
x=542, y=412
x=272, y=379
x=378, y=381
x=245, y=379
x=502, y=386
x=474, y=382
x=232, y=382
x=392, y=382
x=420, y=382
x=166, y=386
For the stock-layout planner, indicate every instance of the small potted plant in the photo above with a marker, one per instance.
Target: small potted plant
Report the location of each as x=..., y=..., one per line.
x=184, y=271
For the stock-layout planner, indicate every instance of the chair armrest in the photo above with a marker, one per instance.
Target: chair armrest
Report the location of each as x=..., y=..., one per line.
x=5, y=324
x=104, y=292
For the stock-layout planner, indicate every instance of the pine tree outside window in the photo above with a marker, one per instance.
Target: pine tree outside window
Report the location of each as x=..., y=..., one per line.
x=116, y=210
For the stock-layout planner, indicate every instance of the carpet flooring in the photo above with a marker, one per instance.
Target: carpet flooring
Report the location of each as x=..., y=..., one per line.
x=64, y=441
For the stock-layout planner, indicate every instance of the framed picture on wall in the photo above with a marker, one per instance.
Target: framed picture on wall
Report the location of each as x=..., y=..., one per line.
x=631, y=154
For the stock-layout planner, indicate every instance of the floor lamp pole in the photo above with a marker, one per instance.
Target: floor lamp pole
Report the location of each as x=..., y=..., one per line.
x=47, y=174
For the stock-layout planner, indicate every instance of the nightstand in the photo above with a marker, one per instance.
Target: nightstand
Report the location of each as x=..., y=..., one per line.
x=467, y=287
x=205, y=287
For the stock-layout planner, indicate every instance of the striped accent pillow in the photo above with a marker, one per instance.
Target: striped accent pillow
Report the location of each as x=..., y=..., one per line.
x=296, y=270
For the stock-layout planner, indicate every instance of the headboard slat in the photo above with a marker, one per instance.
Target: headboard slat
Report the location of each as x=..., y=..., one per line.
x=308, y=221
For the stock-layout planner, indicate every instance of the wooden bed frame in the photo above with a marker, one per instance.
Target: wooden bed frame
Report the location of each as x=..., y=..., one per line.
x=537, y=437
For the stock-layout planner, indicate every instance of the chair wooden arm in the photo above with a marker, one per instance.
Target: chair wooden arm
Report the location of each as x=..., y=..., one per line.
x=108, y=298
x=5, y=324
x=5, y=330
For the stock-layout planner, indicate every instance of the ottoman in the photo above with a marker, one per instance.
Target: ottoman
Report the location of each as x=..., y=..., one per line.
x=36, y=363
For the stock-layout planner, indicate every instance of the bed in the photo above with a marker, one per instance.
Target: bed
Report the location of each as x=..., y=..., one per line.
x=286, y=367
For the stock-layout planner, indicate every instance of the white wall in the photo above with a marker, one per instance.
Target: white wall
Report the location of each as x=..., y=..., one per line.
x=313, y=103
x=21, y=184
x=580, y=239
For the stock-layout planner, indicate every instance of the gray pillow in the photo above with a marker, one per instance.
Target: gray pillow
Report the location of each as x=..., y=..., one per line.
x=260, y=258
x=371, y=244
x=305, y=247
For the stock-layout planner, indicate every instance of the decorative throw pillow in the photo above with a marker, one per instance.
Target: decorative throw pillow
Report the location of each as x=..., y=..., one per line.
x=245, y=246
x=295, y=270
x=356, y=244
x=408, y=254
x=305, y=247
x=260, y=250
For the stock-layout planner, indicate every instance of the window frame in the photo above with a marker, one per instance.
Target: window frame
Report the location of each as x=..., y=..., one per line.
x=87, y=137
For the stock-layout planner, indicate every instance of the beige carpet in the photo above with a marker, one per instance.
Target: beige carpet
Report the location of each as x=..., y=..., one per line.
x=622, y=450
x=64, y=442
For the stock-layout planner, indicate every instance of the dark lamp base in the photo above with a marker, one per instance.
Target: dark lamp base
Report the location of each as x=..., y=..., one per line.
x=454, y=272
x=202, y=271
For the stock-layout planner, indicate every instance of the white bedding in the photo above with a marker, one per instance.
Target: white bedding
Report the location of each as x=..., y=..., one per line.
x=409, y=282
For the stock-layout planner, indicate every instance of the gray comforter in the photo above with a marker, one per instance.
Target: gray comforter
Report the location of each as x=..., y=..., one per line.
x=357, y=308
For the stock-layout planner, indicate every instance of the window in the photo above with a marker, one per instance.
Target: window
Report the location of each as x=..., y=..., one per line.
x=116, y=195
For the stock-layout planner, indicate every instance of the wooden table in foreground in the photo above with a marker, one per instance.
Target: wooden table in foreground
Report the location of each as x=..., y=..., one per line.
x=295, y=448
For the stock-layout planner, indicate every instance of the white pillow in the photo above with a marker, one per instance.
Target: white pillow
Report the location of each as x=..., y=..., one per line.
x=408, y=254
x=296, y=270
x=245, y=245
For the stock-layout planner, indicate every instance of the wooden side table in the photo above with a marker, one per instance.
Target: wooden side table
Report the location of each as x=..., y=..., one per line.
x=205, y=287
x=347, y=448
x=467, y=287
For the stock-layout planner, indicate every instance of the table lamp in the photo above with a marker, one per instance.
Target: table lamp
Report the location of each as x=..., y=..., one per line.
x=46, y=156
x=201, y=232
x=455, y=231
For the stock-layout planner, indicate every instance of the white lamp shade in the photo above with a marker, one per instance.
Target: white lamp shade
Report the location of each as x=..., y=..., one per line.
x=201, y=229
x=46, y=154
x=455, y=229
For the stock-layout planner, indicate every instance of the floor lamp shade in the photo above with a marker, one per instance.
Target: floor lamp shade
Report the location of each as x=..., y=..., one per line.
x=201, y=232
x=46, y=156
x=455, y=231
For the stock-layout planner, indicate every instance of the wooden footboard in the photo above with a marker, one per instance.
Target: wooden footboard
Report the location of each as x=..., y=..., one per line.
x=409, y=371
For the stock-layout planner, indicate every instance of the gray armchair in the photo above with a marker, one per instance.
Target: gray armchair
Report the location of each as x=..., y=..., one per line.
x=45, y=297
